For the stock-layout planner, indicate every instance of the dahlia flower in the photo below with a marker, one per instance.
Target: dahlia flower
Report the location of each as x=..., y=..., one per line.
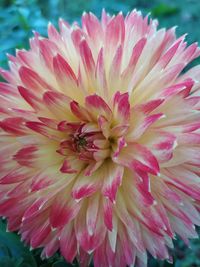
x=100, y=141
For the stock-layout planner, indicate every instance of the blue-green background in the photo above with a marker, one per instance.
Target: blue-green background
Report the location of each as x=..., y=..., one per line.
x=17, y=20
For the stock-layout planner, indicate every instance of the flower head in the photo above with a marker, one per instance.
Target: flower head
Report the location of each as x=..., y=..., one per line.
x=100, y=141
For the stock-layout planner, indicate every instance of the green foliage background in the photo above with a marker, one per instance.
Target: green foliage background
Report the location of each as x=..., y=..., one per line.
x=17, y=20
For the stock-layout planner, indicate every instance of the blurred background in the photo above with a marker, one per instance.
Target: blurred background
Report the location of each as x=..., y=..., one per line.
x=17, y=20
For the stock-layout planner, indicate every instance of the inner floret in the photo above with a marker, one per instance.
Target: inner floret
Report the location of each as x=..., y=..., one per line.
x=100, y=132
x=83, y=140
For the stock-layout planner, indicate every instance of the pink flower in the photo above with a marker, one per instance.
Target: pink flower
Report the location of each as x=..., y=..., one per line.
x=100, y=141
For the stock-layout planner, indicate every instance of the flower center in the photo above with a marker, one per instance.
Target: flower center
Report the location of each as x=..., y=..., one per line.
x=112, y=140
x=83, y=140
x=80, y=143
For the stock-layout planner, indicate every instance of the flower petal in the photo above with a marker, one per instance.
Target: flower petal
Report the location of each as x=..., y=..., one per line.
x=112, y=181
x=87, y=185
x=121, y=107
x=138, y=158
x=97, y=106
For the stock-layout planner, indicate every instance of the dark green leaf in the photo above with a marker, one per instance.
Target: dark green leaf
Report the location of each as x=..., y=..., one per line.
x=164, y=10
